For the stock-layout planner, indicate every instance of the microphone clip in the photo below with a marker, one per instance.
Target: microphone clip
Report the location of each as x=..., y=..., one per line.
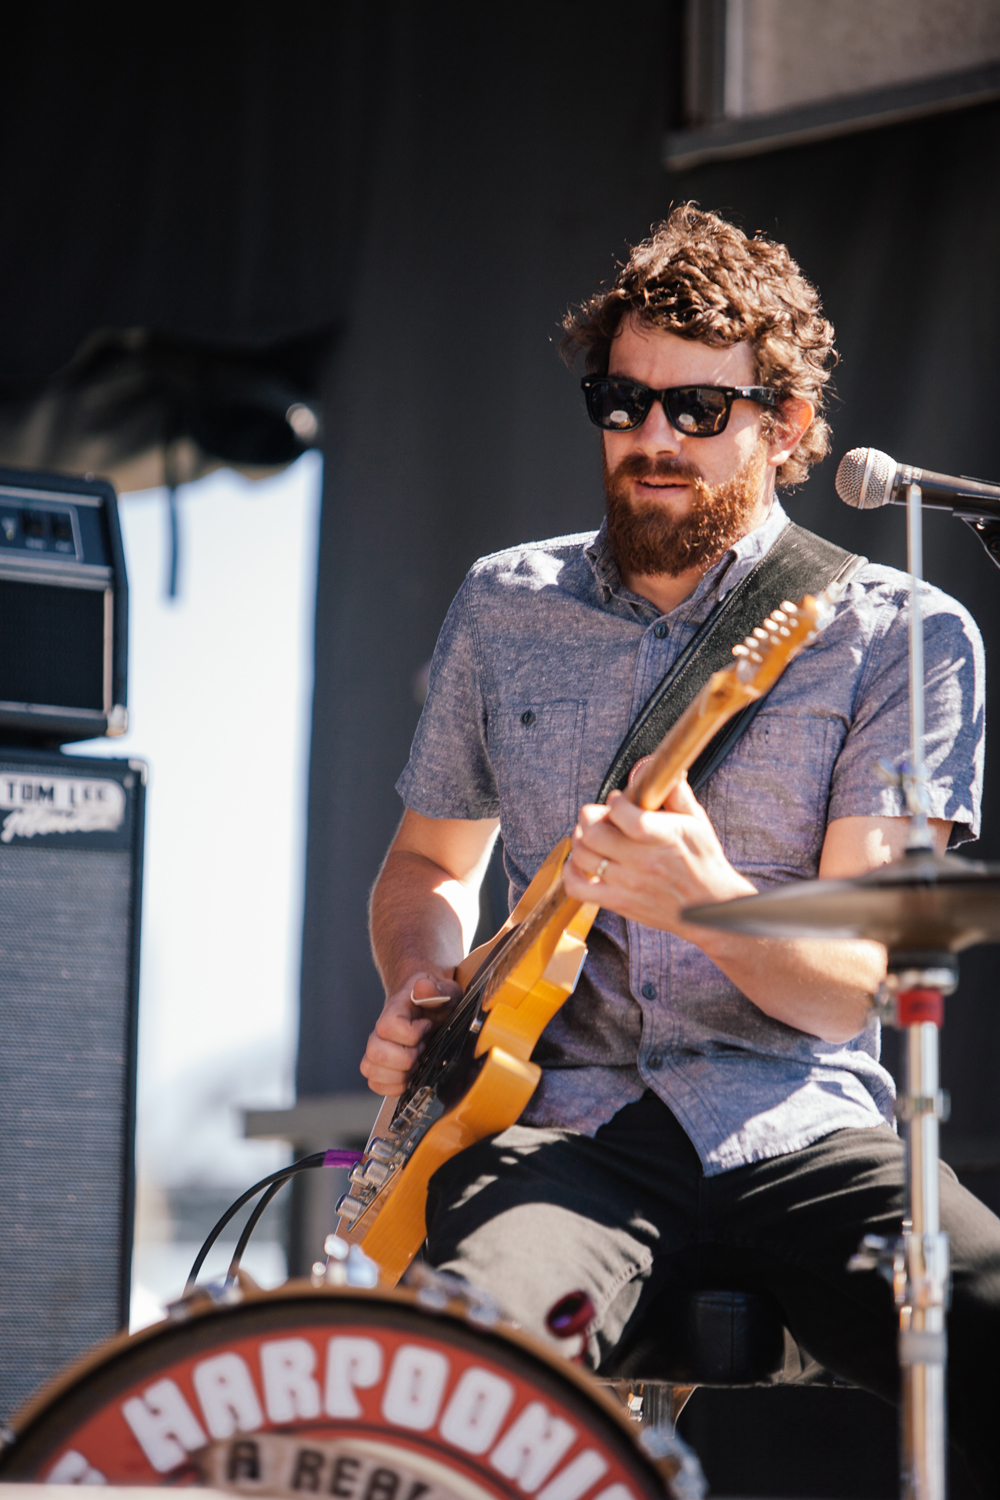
x=988, y=532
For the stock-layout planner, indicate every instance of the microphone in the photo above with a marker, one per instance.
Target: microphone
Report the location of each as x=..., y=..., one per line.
x=868, y=479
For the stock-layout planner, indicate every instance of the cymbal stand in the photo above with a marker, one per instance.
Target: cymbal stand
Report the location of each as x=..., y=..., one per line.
x=916, y=1265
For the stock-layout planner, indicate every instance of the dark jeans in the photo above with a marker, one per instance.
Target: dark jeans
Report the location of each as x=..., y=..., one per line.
x=535, y=1213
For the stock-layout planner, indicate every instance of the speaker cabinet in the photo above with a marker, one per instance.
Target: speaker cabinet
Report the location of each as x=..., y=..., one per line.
x=63, y=609
x=70, y=888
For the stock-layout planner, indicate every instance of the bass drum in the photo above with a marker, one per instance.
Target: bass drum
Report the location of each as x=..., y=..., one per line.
x=362, y=1395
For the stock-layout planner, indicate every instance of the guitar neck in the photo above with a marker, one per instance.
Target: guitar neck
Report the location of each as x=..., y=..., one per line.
x=760, y=660
x=720, y=698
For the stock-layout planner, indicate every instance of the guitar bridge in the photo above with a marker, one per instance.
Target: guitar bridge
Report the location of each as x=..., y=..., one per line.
x=385, y=1155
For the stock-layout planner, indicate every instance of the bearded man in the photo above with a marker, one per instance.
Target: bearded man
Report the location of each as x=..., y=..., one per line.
x=711, y=1104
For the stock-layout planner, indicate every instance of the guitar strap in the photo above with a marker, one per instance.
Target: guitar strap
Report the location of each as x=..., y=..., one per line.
x=799, y=563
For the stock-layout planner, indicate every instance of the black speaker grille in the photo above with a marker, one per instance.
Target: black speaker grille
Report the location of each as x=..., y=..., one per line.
x=65, y=933
x=53, y=645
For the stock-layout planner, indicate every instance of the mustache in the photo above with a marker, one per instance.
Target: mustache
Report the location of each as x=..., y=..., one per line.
x=641, y=466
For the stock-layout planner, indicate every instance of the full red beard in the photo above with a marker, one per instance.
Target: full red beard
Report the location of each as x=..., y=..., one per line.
x=645, y=538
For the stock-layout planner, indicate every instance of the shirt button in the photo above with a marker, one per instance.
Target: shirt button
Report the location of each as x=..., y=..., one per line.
x=661, y=630
x=655, y=1060
x=527, y=717
x=649, y=992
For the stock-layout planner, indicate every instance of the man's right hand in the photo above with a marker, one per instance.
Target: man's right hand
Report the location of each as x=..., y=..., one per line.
x=395, y=1045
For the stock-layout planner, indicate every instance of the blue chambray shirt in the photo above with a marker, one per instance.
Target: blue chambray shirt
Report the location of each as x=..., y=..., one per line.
x=543, y=662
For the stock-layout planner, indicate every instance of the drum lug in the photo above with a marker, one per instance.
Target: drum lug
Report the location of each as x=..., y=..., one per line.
x=218, y=1293
x=345, y=1265
x=437, y=1289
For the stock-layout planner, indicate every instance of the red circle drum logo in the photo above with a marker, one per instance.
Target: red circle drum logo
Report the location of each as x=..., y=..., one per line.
x=359, y=1412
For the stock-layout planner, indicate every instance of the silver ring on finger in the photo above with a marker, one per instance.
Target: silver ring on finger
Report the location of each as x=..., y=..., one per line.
x=599, y=872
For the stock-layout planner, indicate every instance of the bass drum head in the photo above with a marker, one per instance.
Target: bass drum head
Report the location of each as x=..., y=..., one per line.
x=340, y=1392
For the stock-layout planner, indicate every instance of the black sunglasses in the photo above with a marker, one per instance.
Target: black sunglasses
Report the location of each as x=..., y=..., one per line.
x=618, y=404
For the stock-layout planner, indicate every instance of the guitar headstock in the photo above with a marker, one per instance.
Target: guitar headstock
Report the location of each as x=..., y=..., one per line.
x=765, y=654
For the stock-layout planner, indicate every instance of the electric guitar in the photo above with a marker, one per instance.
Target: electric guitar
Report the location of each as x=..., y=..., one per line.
x=476, y=1075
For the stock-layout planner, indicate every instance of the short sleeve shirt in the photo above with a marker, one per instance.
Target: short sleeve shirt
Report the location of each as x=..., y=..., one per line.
x=543, y=662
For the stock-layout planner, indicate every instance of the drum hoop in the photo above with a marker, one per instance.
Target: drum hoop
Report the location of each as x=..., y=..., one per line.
x=105, y=1354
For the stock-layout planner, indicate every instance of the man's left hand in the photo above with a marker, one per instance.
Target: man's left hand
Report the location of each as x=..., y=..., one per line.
x=649, y=866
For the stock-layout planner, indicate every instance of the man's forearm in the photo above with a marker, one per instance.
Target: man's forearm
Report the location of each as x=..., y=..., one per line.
x=821, y=987
x=421, y=918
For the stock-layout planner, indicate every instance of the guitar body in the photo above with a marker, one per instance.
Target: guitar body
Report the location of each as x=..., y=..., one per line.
x=393, y=1229
x=497, y=1077
x=476, y=1074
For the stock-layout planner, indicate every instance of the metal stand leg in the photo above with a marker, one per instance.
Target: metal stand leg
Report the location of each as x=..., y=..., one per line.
x=922, y=1339
x=653, y=1403
x=916, y=1265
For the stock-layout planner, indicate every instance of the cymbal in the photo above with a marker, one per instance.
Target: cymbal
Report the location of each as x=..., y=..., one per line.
x=921, y=902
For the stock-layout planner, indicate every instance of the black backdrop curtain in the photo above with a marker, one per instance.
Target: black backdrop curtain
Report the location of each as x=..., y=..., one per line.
x=193, y=169
x=181, y=189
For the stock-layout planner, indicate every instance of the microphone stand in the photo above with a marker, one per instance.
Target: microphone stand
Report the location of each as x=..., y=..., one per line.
x=916, y=1265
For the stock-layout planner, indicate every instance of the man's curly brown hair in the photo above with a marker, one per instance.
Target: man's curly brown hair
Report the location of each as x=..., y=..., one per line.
x=700, y=277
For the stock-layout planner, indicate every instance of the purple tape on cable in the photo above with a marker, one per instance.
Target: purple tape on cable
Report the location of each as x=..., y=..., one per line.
x=342, y=1158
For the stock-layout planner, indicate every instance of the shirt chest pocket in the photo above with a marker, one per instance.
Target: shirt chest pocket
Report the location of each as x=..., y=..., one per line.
x=768, y=801
x=535, y=753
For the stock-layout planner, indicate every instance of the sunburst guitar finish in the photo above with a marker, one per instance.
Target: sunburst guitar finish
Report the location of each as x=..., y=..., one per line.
x=476, y=1075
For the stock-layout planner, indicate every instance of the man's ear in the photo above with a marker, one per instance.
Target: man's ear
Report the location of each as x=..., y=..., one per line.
x=792, y=422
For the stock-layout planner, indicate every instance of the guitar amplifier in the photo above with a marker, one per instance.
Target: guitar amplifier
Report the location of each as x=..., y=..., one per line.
x=63, y=610
x=70, y=888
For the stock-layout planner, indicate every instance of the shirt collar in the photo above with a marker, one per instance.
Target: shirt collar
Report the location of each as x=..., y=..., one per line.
x=722, y=576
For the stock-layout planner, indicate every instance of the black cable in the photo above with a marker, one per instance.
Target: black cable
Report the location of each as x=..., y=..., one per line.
x=174, y=522
x=302, y=1165
x=251, y=1225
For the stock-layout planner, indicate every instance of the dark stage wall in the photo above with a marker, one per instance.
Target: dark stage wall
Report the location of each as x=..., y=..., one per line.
x=165, y=168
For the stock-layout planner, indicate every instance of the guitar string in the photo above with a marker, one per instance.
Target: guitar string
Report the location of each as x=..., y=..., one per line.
x=497, y=970
x=525, y=933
